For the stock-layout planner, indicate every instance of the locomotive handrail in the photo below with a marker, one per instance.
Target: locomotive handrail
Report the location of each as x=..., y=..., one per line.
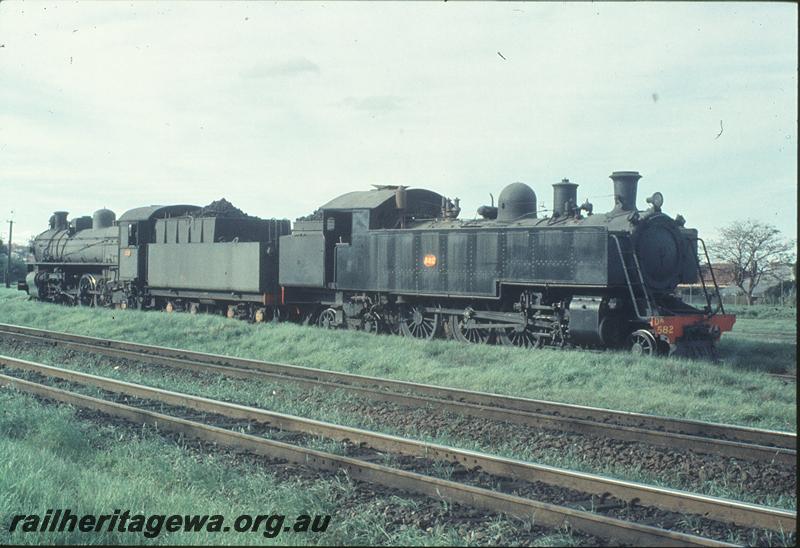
x=650, y=303
x=703, y=282
x=628, y=279
x=713, y=278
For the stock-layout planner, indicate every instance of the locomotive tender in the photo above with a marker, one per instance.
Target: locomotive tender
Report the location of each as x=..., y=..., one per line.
x=399, y=259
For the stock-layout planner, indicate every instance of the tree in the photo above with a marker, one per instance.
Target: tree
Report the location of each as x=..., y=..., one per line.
x=754, y=249
x=18, y=267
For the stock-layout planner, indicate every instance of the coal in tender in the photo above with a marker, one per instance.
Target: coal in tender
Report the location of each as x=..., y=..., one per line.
x=221, y=208
x=316, y=215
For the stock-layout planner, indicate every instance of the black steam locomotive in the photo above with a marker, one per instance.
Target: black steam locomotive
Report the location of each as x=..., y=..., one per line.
x=397, y=259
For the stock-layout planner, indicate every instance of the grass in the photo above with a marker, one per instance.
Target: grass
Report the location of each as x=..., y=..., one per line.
x=337, y=407
x=763, y=312
x=736, y=391
x=763, y=339
x=49, y=460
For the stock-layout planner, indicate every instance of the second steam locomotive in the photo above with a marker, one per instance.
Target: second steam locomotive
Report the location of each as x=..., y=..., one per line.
x=399, y=259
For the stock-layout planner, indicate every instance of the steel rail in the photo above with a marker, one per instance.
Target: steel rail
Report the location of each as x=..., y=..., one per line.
x=789, y=377
x=544, y=513
x=781, y=334
x=724, y=510
x=727, y=440
x=660, y=438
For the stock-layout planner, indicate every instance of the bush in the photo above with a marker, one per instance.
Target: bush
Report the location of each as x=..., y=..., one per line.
x=18, y=267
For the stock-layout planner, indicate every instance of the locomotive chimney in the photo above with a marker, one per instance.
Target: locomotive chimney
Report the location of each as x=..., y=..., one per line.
x=565, y=197
x=625, y=183
x=60, y=220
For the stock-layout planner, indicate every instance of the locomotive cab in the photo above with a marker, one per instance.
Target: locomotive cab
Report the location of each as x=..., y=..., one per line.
x=136, y=230
x=130, y=252
x=312, y=256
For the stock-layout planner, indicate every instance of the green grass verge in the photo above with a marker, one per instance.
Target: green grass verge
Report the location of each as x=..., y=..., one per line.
x=736, y=391
x=763, y=312
x=49, y=460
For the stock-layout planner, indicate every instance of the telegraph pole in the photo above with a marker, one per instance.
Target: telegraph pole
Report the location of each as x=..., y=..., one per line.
x=8, y=257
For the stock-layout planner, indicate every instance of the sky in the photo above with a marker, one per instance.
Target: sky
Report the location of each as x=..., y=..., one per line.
x=280, y=107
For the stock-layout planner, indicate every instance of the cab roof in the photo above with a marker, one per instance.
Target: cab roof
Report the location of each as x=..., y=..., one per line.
x=371, y=199
x=156, y=212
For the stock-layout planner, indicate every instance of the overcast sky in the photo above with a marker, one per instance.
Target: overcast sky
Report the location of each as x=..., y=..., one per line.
x=281, y=107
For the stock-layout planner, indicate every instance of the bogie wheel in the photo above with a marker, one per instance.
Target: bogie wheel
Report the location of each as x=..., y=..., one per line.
x=663, y=347
x=643, y=343
x=462, y=331
x=416, y=322
x=519, y=336
x=327, y=320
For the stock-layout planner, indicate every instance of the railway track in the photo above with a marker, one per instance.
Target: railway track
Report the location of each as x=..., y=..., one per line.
x=631, y=495
x=782, y=336
x=787, y=377
x=702, y=437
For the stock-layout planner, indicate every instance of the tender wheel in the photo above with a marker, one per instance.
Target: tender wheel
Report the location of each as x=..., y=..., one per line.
x=415, y=322
x=643, y=343
x=87, y=287
x=519, y=336
x=327, y=320
x=461, y=331
x=371, y=323
x=309, y=318
x=276, y=314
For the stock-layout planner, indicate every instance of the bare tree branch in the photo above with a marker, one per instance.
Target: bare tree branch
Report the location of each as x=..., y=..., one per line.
x=754, y=249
